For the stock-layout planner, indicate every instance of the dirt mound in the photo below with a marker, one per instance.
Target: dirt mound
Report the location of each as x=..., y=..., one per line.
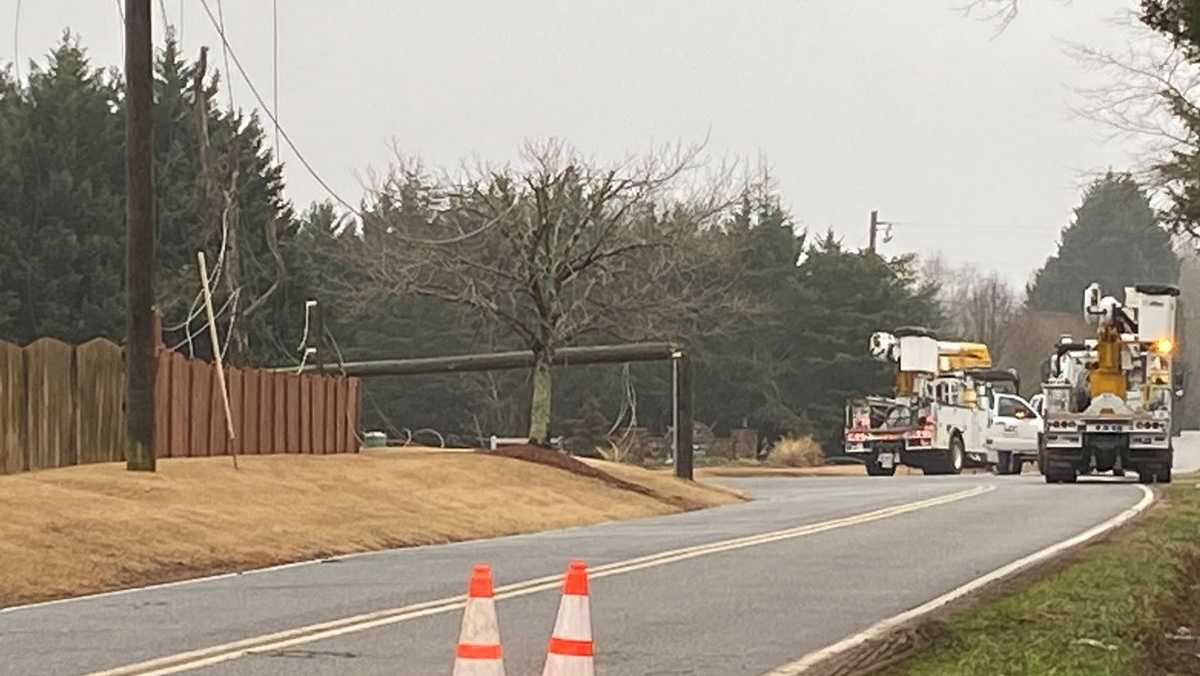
x=559, y=460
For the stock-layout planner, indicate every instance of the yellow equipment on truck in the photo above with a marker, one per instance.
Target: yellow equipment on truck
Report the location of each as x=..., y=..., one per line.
x=949, y=409
x=1108, y=400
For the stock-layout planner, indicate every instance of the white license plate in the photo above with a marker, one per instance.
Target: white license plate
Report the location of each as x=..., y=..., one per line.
x=886, y=460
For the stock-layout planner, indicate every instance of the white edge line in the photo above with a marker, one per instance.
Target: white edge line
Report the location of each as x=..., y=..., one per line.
x=808, y=661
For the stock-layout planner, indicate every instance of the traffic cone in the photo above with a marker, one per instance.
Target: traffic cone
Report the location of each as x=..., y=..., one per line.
x=478, y=651
x=570, y=650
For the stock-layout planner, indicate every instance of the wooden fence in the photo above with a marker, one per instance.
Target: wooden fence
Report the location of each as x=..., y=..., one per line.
x=272, y=412
x=63, y=405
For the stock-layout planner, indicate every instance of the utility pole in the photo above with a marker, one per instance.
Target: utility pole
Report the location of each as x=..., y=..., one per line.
x=874, y=230
x=140, y=341
x=874, y=238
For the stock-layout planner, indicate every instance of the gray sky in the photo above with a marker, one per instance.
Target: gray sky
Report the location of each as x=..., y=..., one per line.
x=903, y=106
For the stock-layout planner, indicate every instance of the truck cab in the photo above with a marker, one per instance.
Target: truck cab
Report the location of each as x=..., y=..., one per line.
x=1014, y=428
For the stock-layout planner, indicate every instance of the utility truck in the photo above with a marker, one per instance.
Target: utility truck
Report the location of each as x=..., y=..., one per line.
x=1108, y=399
x=948, y=410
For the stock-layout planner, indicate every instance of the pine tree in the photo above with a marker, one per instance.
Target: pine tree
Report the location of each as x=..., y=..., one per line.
x=1115, y=240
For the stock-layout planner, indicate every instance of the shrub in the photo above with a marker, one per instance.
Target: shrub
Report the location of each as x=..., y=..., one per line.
x=792, y=451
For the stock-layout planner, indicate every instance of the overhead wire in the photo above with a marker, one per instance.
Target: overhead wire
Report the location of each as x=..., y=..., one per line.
x=218, y=24
x=342, y=367
x=189, y=336
x=275, y=69
x=225, y=51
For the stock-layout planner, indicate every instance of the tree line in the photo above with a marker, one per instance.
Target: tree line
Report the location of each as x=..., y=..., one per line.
x=550, y=250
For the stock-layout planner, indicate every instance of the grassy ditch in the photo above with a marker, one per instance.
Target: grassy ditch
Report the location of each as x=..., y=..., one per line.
x=1127, y=605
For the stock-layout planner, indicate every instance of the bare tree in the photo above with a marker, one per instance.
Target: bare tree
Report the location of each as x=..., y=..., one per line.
x=1002, y=12
x=975, y=306
x=562, y=249
x=990, y=305
x=1149, y=93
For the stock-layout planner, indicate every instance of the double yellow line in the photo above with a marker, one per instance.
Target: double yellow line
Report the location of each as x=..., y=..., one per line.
x=206, y=657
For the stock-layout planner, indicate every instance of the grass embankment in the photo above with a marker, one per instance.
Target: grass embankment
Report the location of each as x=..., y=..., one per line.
x=1127, y=605
x=77, y=530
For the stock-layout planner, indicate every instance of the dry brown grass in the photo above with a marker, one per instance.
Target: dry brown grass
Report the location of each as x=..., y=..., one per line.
x=684, y=494
x=97, y=527
x=796, y=452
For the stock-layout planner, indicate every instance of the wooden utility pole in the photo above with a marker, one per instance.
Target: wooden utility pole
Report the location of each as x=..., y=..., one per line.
x=874, y=230
x=683, y=433
x=140, y=340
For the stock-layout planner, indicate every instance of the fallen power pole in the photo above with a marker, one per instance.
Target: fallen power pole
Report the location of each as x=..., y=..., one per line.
x=140, y=338
x=568, y=356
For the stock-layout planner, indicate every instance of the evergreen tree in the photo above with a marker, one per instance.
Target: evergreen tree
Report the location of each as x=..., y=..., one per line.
x=1115, y=240
x=62, y=200
x=847, y=296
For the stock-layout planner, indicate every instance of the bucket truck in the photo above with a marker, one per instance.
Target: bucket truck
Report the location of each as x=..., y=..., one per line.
x=1107, y=400
x=949, y=409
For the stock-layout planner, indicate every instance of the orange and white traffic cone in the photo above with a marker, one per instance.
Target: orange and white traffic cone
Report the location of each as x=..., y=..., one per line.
x=570, y=650
x=478, y=651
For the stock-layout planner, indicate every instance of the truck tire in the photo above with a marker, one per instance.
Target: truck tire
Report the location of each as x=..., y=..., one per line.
x=951, y=460
x=1058, y=475
x=956, y=456
x=876, y=469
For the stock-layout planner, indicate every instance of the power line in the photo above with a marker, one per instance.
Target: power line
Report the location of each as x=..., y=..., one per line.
x=275, y=68
x=225, y=50
x=219, y=26
x=968, y=227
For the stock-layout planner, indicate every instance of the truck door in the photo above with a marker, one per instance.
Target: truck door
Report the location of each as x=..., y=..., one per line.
x=1014, y=425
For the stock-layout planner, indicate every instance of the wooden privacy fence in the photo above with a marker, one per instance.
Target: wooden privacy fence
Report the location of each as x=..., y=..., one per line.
x=63, y=405
x=272, y=412
x=60, y=404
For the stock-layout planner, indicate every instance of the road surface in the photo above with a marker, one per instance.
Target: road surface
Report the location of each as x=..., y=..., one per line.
x=838, y=555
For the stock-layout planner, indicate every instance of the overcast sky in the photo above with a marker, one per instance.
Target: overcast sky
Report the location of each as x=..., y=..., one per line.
x=902, y=106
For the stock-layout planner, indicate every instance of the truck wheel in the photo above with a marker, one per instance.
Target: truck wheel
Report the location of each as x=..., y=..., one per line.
x=1003, y=462
x=1146, y=475
x=1017, y=464
x=1164, y=474
x=876, y=469
x=956, y=455
x=1061, y=476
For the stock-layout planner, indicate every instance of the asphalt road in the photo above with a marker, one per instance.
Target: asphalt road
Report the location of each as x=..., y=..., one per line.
x=738, y=608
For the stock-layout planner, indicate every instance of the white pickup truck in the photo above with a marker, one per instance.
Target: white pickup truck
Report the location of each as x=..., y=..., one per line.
x=1012, y=433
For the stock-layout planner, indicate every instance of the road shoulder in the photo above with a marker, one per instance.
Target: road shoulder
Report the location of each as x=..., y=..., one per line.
x=1121, y=604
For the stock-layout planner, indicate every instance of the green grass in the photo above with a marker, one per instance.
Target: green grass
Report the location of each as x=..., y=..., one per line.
x=1094, y=616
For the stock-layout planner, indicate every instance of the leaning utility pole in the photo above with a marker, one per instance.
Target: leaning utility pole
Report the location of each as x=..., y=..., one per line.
x=140, y=341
